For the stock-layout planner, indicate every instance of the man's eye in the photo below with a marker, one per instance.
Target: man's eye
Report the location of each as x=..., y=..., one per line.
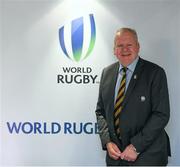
x=129, y=45
x=119, y=46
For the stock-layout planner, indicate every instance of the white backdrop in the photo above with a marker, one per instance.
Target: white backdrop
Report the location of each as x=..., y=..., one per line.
x=32, y=58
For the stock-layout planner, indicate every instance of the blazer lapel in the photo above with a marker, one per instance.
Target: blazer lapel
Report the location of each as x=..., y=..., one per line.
x=110, y=90
x=113, y=84
x=133, y=81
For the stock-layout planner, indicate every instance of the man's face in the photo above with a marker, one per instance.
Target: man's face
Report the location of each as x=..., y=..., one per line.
x=126, y=48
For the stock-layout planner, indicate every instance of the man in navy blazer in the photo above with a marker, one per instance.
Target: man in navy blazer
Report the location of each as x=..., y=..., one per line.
x=145, y=107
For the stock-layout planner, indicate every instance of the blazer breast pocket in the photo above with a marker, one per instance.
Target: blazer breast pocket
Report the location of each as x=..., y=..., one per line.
x=140, y=101
x=143, y=104
x=141, y=97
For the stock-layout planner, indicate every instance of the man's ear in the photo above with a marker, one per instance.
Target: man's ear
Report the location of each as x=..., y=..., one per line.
x=115, y=51
x=138, y=46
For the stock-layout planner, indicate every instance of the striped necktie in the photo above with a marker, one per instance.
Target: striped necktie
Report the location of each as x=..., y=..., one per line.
x=119, y=101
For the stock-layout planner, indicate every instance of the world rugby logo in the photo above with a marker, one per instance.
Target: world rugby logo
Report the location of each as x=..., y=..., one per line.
x=77, y=38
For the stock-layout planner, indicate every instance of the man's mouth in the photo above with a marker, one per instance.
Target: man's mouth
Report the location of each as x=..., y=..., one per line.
x=124, y=55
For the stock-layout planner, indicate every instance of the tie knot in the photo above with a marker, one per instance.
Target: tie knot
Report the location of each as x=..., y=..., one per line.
x=124, y=69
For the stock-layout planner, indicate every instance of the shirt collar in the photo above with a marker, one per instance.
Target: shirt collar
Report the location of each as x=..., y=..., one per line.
x=131, y=66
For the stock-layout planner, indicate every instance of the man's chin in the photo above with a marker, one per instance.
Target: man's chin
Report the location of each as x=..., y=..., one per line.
x=126, y=63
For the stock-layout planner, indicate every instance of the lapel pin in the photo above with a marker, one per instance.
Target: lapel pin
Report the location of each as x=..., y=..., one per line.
x=135, y=76
x=143, y=98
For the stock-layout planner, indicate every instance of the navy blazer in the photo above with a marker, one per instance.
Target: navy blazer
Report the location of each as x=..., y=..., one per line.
x=145, y=113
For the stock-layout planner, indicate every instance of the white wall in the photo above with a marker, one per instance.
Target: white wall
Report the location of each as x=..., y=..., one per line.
x=0, y=80
x=32, y=58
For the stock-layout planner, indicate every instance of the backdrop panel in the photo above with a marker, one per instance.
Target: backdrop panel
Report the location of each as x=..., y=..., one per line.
x=53, y=53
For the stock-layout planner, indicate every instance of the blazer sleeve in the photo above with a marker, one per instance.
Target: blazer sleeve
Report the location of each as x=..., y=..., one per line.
x=101, y=118
x=160, y=112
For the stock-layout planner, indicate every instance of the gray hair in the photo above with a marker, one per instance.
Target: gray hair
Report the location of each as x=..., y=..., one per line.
x=126, y=29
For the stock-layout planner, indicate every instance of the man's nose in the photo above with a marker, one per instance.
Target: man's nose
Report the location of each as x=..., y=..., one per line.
x=125, y=48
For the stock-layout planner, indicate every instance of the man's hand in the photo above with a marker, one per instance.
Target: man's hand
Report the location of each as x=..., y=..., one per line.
x=113, y=150
x=129, y=154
